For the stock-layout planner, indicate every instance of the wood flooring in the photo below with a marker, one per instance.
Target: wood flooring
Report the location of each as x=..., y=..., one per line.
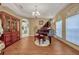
x=26, y=46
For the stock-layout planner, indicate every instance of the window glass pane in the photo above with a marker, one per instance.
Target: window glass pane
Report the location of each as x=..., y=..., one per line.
x=59, y=27
x=7, y=24
x=72, y=29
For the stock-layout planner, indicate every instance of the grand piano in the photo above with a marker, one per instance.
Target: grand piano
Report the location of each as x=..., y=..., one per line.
x=43, y=33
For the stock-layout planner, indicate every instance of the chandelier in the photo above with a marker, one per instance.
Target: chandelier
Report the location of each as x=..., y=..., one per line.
x=35, y=13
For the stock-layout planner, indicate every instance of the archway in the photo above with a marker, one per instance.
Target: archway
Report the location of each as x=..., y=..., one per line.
x=24, y=28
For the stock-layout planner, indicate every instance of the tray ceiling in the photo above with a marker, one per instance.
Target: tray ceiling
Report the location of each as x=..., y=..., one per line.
x=47, y=10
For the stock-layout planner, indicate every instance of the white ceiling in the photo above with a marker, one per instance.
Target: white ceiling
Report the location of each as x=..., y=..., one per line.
x=47, y=10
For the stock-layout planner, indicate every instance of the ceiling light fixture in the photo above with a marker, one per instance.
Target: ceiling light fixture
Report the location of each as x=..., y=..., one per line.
x=35, y=13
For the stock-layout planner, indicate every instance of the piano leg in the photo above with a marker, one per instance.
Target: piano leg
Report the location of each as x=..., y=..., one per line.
x=50, y=39
x=39, y=41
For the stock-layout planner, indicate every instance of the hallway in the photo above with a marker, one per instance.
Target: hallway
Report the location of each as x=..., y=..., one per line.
x=27, y=47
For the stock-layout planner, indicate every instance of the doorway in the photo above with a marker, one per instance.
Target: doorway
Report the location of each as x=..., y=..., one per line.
x=24, y=28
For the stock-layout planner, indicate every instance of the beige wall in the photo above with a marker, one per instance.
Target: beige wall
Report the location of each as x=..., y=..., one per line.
x=34, y=25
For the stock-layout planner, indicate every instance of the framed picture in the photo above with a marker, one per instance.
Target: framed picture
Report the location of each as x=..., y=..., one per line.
x=41, y=22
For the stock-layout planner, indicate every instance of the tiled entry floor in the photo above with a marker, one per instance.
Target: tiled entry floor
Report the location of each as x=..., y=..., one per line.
x=26, y=46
